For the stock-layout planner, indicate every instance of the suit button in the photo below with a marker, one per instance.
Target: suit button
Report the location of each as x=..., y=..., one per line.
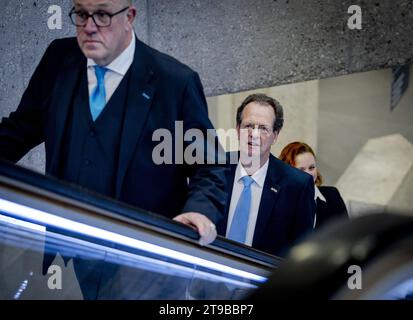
x=92, y=133
x=87, y=162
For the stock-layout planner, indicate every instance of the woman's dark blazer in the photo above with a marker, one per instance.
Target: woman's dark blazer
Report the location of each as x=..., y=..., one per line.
x=333, y=208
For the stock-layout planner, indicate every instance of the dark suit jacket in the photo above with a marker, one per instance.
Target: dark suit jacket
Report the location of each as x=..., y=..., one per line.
x=162, y=90
x=286, y=214
x=334, y=206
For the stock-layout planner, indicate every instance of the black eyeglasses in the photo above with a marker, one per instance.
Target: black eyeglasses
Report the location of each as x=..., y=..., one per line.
x=264, y=130
x=100, y=18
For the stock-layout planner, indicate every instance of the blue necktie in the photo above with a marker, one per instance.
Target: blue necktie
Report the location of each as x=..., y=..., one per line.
x=238, y=230
x=97, y=99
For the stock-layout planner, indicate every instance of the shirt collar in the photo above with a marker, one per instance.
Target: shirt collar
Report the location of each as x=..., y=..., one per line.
x=317, y=194
x=258, y=176
x=122, y=63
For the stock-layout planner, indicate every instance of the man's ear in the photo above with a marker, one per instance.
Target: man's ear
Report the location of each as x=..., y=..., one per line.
x=131, y=15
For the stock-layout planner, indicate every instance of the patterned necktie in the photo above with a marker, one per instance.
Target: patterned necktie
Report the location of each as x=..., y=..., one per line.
x=97, y=100
x=239, y=225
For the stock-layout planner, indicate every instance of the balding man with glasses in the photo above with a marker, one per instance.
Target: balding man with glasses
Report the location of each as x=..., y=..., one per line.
x=95, y=100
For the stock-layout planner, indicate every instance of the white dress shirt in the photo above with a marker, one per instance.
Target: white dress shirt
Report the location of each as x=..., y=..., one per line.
x=256, y=192
x=116, y=70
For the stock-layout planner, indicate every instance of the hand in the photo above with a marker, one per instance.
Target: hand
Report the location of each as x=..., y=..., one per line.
x=201, y=223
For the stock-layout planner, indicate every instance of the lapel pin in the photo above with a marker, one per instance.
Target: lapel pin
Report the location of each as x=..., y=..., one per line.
x=274, y=190
x=145, y=96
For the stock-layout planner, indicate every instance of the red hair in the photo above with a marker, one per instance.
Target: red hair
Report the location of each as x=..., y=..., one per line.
x=292, y=150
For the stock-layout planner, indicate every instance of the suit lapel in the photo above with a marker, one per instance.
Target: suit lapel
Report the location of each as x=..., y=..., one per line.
x=63, y=91
x=269, y=198
x=229, y=175
x=140, y=96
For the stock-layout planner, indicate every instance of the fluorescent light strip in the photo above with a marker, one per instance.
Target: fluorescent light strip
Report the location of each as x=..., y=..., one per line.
x=50, y=219
x=22, y=223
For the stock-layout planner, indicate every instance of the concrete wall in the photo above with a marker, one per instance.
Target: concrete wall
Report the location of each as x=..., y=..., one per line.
x=300, y=104
x=239, y=45
x=354, y=109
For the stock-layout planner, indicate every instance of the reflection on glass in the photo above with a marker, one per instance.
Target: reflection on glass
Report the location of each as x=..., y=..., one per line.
x=125, y=274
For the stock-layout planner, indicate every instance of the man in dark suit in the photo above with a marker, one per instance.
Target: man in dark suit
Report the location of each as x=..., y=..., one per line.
x=96, y=101
x=272, y=204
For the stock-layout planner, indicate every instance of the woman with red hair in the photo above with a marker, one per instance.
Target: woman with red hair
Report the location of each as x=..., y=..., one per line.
x=329, y=202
